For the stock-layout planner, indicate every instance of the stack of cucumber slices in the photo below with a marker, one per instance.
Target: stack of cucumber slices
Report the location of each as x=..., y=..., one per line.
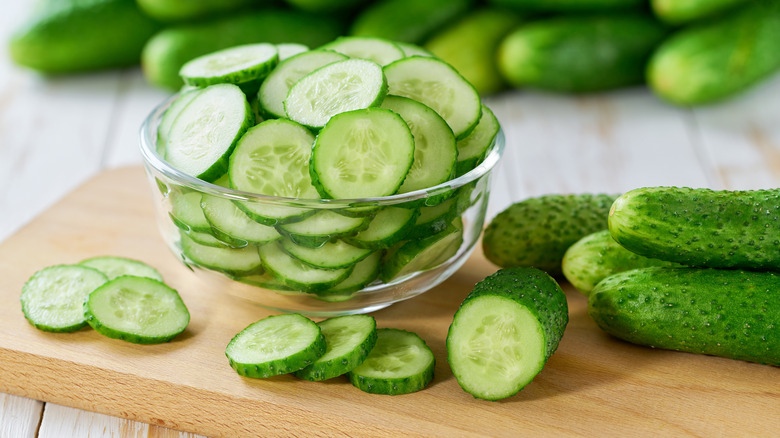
x=357, y=119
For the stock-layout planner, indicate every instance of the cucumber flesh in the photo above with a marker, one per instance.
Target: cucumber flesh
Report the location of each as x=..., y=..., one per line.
x=173, y=111
x=114, y=267
x=288, y=50
x=228, y=222
x=331, y=255
x=186, y=212
x=321, y=227
x=388, y=227
x=235, y=65
x=473, y=148
x=297, y=275
x=234, y=261
x=379, y=50
x=364, y=272
x=420, y=255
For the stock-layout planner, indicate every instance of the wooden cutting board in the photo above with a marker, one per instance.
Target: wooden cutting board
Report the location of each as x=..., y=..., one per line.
x=594, y=384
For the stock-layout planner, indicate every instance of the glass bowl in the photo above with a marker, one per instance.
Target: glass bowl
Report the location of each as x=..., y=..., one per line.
x=440, y=234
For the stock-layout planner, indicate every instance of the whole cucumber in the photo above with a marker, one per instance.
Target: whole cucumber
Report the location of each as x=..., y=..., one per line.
x=182, y=10
x=717, y=59
x=726, y=313
x=700, y=227
x=568, y=5
x=408, y=21
x=577, y=54
x=597, y=256
x=685, y=11
x=538, y=231
x=169, y=49
x=67, y=36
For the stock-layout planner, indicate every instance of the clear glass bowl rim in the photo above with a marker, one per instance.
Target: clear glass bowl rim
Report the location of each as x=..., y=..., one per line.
x=148, y=134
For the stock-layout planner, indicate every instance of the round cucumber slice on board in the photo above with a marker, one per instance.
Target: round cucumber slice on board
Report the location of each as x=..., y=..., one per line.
x=438, y=85
x=349, y=339
x=379, y=50
x=207, y=129
x=275, y=345
x=399, y=363
x=361, y=154
x=235, y=65
x=505, y=331
x=335, y=88
x=53, y=298
x=136, y=309
x=473, y=148
x=113, y=267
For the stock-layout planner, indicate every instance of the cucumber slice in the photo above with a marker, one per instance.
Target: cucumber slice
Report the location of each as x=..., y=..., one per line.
x=114, y=267
x=316, y=230
x=207, y=129
x=331, y=255
x=297, y=275
x=361, y=154
x=473, y=148
x=173, y=111
x=53, y=298
x=288, y=50
x=434, y=219
x=235, y=65
x=335, y=88
x=275, y=345
x=420, y=255
x=435, y=151
x=379, y=50
x=410, y=49
x=234, y=261
x=187, y=213
x=399, y=363
x=209, y=239
x=388, y=227
x=229, y=223
x=264, y=280
x=272, y=158
x=364, y=272
x=136, y=309
x=505, y=331
x=349, y=339
x=274, y=89
x=436, y=84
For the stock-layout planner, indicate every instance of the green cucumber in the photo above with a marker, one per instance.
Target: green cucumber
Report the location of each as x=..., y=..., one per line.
x=136, y=309
x=473, y=148
x=349, y=340
x=700, y=227
x=188, y=10
x=400, y=363
x=275, y=345
x=597, y=256
x=410, y=21
x=538, y=231
x=505, y=332
x=113, y=267
x=728, y=313
x=389, y=226
x=568, y=6
x=718, y=58
x=326, y=6
x=579, y=54
x=685, y=11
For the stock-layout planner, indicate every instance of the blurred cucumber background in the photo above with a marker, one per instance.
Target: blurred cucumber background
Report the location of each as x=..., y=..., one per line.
x=689, y=52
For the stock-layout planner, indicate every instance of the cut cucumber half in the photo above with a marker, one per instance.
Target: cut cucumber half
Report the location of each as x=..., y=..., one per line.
x=297, y=275
x=331, y=255
x=274, y=89
x=379, y=50
x=435, y=151
x=363, y=274
x=114, y=267
x=187, y=213
x=234, y=65
x=164, y=128
x=505, y=331
x=136, y=309
x=399, y=363
x=321, y=227
x=335, y=88
x=349, y=339
x=272, y=158
x=229, y=223
x=361, y=154
x=420, y=255
x=439, y=86
x=388, y=227
x=275, y=345
x=473, y=148
x=53, y=298
x=207, y=129
x=288, y=50
x=234, y=261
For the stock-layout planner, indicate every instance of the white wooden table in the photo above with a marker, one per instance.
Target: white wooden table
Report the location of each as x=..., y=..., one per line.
x=57, y=133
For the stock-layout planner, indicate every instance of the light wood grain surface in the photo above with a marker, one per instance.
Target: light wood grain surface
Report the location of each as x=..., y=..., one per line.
x=57, y=133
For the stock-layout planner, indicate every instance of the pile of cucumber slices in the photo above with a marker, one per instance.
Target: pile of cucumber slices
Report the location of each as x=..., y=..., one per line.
x=358, y=118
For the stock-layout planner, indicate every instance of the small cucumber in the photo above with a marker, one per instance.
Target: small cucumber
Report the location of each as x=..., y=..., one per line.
x=409, y=21
x=728, y=313
x=505, y=331
x=685, y=11
x=568, y=6
x=700, y=227
x=538, y=231
x=188, y=10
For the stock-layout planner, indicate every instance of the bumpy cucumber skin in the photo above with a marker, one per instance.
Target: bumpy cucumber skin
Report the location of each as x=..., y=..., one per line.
x=534, y=290
x=719, y=58
x=319, y=371
x=568, y=5
x=727, y=313
x=409, y=21
x=169, y=49
x=597, y=256
x=684, y=11
x=580, y=54
x=538, y=231
x=68, y=36
x=700, y=227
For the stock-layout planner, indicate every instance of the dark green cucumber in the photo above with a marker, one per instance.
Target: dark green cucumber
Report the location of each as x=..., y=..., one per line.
x=188, y=10
x=700, y=227
x=505, y=331
x=685, y=11
x=538, y=231
x=409, y=21
x=726, y=313
x=577, y=54
x=714, y=60
x=597, y=256
x=568, y=6
x=65, y=36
